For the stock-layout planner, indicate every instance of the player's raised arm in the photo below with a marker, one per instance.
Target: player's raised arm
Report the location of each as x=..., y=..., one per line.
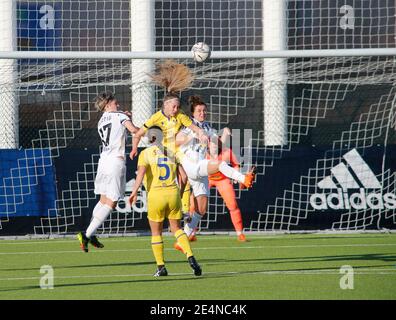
x=139, y=179
x=131, y=127
x=135, y=142
x=200, y=133
x=226, y=133
x=129, y=124
x=152, y=121
x=182, y=138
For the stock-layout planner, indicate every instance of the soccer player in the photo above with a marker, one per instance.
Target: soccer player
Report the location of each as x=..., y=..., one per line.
x=224, y=185
x=196, y=150
x=110, y=178
x=173, y=77
x=163, y=201
x=192, y=156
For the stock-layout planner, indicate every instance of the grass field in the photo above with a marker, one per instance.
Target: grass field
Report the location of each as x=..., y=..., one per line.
x=266, y=267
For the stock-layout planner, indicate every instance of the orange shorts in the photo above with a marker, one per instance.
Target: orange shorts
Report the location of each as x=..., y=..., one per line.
x=227, y=192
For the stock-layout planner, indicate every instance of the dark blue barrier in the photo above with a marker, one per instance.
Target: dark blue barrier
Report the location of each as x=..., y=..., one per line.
x=27, y=183
x=39, y=25
x=276, y=184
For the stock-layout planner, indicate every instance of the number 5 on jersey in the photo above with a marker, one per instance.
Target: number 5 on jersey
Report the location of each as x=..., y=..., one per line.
x=161, y=164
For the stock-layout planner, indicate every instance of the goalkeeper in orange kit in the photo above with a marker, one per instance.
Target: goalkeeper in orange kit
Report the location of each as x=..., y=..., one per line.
x=224, y=186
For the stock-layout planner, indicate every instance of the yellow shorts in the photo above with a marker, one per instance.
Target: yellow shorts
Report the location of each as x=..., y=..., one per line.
x=164, y=204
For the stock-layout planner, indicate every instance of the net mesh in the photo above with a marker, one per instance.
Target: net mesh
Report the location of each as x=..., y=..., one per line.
x=335, y=103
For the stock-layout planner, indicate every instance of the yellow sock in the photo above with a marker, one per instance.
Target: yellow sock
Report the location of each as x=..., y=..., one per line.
x=158, y=249
x=186, y=199
x=183, y=242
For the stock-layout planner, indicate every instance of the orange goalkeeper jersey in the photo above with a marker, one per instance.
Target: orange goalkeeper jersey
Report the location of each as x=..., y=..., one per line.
x=225, y=155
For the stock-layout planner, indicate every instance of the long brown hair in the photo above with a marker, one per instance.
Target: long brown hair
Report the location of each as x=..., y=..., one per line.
x=173, y=77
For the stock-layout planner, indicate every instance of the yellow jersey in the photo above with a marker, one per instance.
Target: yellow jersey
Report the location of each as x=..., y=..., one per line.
x=161, y=171
x=170, y=126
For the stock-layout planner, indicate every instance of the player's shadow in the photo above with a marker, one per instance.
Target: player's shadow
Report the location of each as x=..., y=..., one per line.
x=106, y=265
x=346, y=258
x=171, y=278
x=284, y=237
x=183, y=277
x=125, y=264
x=281, y=260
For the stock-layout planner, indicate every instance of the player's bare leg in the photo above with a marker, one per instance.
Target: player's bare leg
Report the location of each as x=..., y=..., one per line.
x=100, y=213
x=226, y=191
x=192, y=209
x=201, y=205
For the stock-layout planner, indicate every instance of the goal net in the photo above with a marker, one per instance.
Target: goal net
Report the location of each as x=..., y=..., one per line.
x=320, y=129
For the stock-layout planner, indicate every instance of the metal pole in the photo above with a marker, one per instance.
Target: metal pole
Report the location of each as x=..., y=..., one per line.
x=9, y=102
x=275, y=74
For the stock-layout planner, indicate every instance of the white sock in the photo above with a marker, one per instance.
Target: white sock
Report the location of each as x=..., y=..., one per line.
x=189, y=227
x=99, y=215
x=230, y=172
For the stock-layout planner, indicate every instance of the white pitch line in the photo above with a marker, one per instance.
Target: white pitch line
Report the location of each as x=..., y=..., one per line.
x=140, y=238
x=143, y=238
x=131, y=239
x=208, y=248
x=202, y=237
x=269, y=272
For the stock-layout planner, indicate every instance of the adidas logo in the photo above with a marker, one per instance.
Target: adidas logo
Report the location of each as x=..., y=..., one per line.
x=355, y=175
x=140, y=206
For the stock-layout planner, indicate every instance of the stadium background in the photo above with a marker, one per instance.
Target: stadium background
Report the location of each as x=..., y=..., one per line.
x=81, y=149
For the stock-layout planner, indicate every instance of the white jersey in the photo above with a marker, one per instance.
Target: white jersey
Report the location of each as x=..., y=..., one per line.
x=194, y=149
x=112, y=132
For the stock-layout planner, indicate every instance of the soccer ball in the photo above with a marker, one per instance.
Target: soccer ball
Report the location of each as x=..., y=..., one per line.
x=200, y=51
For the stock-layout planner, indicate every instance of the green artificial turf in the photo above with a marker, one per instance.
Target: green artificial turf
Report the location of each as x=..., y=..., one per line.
x=267, y=267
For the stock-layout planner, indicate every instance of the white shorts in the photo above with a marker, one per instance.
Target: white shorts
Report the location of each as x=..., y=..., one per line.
x=200, y=186
x=111, y=178
x=197, y=173
x=195, y=170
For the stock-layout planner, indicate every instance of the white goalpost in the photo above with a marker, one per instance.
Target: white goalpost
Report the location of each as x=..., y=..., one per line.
x=187, y=55
x=275, y=74
x=142, y=39
x=8, y=80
